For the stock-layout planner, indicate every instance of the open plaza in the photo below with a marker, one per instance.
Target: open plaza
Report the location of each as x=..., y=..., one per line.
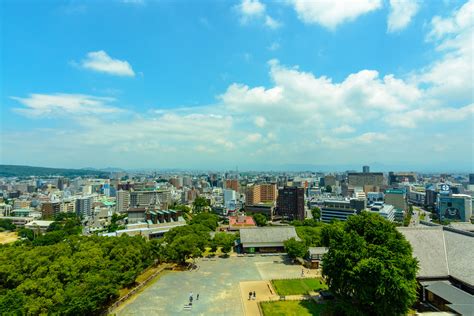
x=223, y=285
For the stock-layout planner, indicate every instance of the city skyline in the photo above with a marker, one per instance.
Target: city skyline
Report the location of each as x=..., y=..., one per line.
x=251, y=83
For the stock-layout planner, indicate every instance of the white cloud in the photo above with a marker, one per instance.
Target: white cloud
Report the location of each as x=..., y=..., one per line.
x=255, y=10
x=331, y=13
x=401, y=14
x=253, y=138
x=101, y=62
x=451, y=77
x=260, y=121
x=271, y=22
x=410, y=119
x=274, y=46
x=343, y=129
x=51, y=105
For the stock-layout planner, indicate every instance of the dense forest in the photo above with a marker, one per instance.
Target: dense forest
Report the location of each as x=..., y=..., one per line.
x=77, y=276
x=27, y=171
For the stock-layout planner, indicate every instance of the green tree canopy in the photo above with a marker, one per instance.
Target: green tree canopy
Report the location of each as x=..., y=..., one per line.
x=260, y=219
x=207, y=219
x=295, y=249
x=200, y=204
x=370, y=267
x=7, y=224
x=316, y=212
x=328, y=188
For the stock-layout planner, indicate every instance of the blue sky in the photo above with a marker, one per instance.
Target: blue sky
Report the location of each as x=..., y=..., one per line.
x=255, y=84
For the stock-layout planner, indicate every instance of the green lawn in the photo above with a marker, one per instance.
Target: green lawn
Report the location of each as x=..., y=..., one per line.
x=298, y=286
x=291, y=308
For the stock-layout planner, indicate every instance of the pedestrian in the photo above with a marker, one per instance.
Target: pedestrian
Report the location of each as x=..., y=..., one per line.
x=250, y=295
x=197, y=297
x=254, y=295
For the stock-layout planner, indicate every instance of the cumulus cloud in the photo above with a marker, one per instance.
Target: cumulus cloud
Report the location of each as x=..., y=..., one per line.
x=100, y=61
x=60, y=104
x=451, y=77
x=260, y=121
x=332, y=13
x=255, y=10
x=401, y=14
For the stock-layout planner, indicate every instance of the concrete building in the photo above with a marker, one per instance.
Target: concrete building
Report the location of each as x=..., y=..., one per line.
x=38, y=226
x=455, y=207
x=232, y=184
x=161, y=198
x=84, y=206
x=397, y=198
x=267, y=209
x=123, y=201
x=341, y=209
x=365, y=169
x=290, y=203
x=361, y=179
x=385, y=210
x=261, y=193
x=50, y=209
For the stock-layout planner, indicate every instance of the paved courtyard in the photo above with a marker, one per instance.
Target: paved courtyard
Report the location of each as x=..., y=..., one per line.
x=217, y=283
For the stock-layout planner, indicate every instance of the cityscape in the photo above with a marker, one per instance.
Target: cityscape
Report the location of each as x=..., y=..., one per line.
x=241, y=158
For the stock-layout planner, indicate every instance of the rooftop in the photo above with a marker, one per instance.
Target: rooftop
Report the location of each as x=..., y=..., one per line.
x=442, y=252
x=268, y=234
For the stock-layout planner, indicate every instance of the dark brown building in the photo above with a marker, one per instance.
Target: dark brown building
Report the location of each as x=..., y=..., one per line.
x=290, y=203
x=50, y=209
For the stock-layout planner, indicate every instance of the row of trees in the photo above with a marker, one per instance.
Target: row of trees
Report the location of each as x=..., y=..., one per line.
x=190, y=241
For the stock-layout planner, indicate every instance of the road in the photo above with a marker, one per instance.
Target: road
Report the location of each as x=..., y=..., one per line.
x=419, y=214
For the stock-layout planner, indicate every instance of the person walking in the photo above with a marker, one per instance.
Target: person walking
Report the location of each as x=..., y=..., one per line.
x=197, y=297
x=250, y=295
x=254, y=295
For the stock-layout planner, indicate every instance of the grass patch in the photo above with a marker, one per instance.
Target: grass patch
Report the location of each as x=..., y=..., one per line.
x=291, y=308
x=298, y=286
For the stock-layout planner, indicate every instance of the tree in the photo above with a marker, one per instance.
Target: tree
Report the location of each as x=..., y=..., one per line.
x=209, y=220
x=7, y=224
x=370, y=267
x=295, y=249
x=200, y=204
x=260, y=219
x=184, y=247
x=329, y=189
x=316, y=212
x=311, y=236
x=225, y=241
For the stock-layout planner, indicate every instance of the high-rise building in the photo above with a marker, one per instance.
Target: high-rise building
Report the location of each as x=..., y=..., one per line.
x=232, y=184
x=161, y=198
x=84, y=206
x=365, y=169
x=471, y=178
x=177, y=182
x=123, y=201
x=50, y=209
x=261, y=193
x=290, y=203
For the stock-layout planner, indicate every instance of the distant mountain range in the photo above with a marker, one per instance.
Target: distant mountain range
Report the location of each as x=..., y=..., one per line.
x=26, y=171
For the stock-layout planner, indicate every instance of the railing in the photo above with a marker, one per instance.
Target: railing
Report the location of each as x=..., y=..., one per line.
x=137, y=288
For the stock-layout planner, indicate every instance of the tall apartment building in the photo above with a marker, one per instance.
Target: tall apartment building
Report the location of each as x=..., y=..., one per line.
x=232, y=184
x=290, y=203
x=261, y=193
x=50, y=209
x=177, y=182
x=123, y=201
x=84, y=206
